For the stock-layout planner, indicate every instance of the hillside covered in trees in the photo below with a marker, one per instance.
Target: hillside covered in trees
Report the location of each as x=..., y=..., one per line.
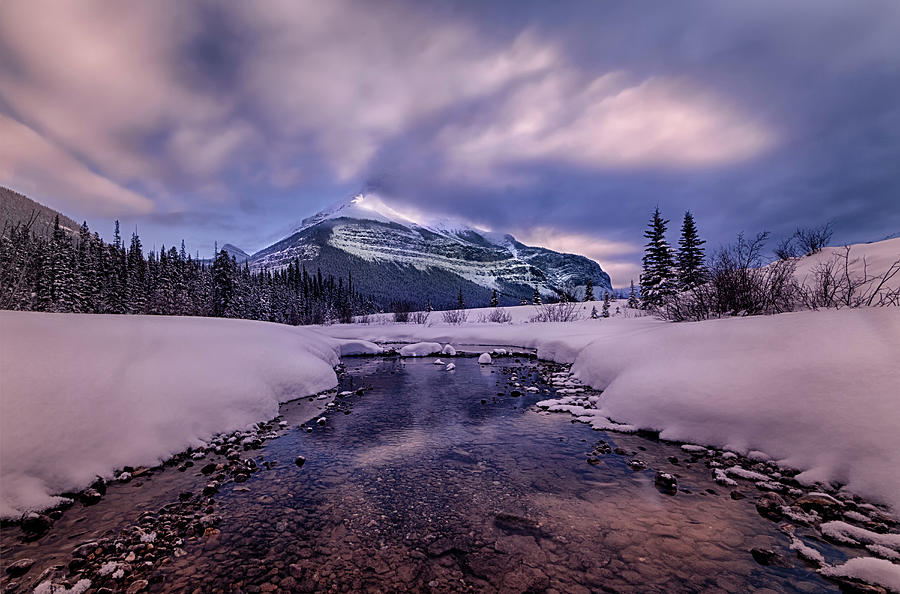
x=80, y=273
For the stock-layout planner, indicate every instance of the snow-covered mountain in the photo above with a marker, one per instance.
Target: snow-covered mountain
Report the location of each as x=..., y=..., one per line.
x=396, y=256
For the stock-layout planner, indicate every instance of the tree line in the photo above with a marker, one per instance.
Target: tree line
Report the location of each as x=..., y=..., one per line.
x=80, y=273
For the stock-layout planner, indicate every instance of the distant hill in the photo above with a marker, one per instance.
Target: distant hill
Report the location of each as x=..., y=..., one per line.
x=16, y=209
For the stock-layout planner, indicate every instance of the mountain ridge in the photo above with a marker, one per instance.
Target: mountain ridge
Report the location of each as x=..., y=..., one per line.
x=365, y=233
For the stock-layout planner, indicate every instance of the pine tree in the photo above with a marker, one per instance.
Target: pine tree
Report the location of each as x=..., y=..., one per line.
x=633, y=302
x=594, y=312
x=223, y=285
x=605, y=311
x=589, y=291
x=460, y=302
x=657, y=278
x=691, y=272
x=536, y=296
x=495, y=299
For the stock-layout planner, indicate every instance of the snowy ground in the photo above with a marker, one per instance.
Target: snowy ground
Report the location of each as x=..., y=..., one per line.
x=82, y=395
x=816, y=391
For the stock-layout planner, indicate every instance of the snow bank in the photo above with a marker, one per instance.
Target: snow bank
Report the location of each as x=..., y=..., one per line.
x=815, y=390
x=420, y=349
x=81, y=395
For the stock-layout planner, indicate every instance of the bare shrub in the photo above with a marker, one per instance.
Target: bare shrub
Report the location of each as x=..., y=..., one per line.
x=834, y=285
x=401, y=311
x=738, y=285
x=564, y=311
x=786, y=248
x=499, y=315
x=419, y=317
x=811, y=240
x=455, y=316
x=363, y=319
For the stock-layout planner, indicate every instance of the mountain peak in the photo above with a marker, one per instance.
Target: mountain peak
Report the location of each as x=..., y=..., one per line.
x=363, y=206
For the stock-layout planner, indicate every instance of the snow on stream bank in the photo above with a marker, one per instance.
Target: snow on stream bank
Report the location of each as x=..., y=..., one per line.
x=817, y=391
x=82, y=395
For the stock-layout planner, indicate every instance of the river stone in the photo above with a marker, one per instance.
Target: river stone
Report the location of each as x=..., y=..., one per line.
x=667, y=483
x=769, y=505
x=90, y=497
x=35, y=525
x=637, y=465
x=20, y=567
x=99, y=485
x=137, y=586
x=300, y=461
x=820, y=502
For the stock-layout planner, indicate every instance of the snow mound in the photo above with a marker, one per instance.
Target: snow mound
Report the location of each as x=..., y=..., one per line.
x=83, y=395
x=485, y=359
x=868, y=569
x=359, y=347
x=448, y=350
x=420, y=349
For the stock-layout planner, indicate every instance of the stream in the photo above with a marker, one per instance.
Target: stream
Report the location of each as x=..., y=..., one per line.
x=416, y=478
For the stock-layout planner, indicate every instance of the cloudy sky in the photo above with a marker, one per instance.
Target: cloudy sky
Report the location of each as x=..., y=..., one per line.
x=563, y=123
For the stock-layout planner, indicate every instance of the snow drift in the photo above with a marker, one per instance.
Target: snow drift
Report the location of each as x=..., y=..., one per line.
x=81, y=395
x=816, y=390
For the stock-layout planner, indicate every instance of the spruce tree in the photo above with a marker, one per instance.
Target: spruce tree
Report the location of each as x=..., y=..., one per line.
x=594, y=312
x=633, y=302
x=495, y=299
x=657, y=278
x=460, y=302
x=536, y=296
x=605, y=311
x=691, y=272
x=589, y=291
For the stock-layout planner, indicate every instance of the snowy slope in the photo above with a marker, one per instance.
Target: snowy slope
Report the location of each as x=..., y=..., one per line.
x=873, y=259
x=816, y=390
x=371, y=239
x=81, y=395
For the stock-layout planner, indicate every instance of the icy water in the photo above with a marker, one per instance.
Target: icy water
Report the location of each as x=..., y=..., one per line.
x=425, y=487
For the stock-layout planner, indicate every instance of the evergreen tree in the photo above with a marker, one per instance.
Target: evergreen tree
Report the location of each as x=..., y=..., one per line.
x=460, y=302
x=657, y=278
x=594, y=312
x=691, y=272
x=495, y=299
x=589, y=291
x=633, y=302
x=223, y=285
x=605, y=311
x=536, y=296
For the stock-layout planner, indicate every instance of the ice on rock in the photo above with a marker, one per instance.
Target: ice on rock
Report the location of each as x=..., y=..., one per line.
x=438, y=362
x=850, y=534
x=485, y=359
x=448, y=350
x=451, y=366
